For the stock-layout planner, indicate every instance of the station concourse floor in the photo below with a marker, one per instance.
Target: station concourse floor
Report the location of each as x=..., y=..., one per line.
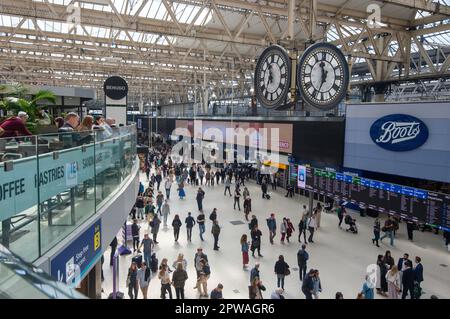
x=341, y=257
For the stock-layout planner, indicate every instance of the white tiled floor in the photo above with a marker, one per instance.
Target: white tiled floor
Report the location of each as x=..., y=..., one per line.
x=341, y=257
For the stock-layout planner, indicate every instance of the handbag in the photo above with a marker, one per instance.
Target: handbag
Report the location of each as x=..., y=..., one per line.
x=287, y=272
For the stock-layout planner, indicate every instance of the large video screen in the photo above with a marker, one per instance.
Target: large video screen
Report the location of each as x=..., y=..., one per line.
x=407, y=202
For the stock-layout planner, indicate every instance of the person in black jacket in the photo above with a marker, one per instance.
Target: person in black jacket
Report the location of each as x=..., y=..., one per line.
x=176, y=224
x=308, y=284
x=113, y=250
x=302, y=258
x=190, y=222
x=408, y=280
x=281, y=270
x=264, y=189
x=256, y=241
x=135, y=234
x=199, y=198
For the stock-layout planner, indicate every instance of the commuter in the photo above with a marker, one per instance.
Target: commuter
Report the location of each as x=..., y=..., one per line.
x=253, y=223
x=254, y=272
x=339, y=295
x=113, y=246
x=168, y=186
x=264, y=189
x=247, y=206
x=216, y=293
x=181, y=192
x=256, y=241
x=213, y=215
x=290, y=190
x=408, y=280
x=204, y=273
x=277, y=294
x=15, y=126
x=227, y=186
x=237, y=197
x=281, y=269
x=340, y=211
x=217, y=174
x=393, y=281
x=367, y=289
x=198, y=266
x=302, y=226
x=245, y=193
x=311, y=227
x=144, y=276
x=180, y=260
x=216, y=231
x=388, y=260
x=132, y=282
x=179, y=278
x=140, y=207
x=201, y=224
x=165, y=210
x=317, y=284
x=402, y=261
x=418, y=277
x=199, y=198
x=302, y=258
x=135, y=234
x=147, y=243
x=290, y=229
x=159, y=202
x=388, y=230
x=201, y=174
x=283, y=229
x=158, y=178
x=190, y=222
x=308, y=285
x=272, y=225
x=256, y=288
x=244, y=249
x=154, y=224
x=164, y=276
x=176, y=224
x=382, y=286
x=147, y=171
x=318, y=214
x=376, y=231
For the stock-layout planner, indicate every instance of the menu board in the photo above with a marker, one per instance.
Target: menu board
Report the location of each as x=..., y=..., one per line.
x=407, y=202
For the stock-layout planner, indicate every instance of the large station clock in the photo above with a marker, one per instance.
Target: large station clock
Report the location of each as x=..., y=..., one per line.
x=323, y=76
x=273, y=77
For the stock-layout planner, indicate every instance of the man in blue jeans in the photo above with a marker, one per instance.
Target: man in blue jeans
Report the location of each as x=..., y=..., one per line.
x=308, y=285
x=388, y=230
x=147, y=242
x=302, y=257
x=201, y=224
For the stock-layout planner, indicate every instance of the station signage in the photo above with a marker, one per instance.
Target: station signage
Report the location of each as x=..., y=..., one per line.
x=115, y=87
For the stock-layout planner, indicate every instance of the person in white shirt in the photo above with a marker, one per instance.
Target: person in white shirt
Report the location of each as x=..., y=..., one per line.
x=168, y=185
x=312, y=225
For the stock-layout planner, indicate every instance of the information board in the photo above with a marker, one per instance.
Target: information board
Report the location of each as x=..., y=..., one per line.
x=407, y=202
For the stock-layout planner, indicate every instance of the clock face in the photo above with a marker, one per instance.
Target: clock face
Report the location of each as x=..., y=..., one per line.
x=323, y=76
x=273, y=77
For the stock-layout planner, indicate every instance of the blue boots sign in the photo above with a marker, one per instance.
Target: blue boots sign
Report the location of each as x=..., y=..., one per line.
x=399, y=132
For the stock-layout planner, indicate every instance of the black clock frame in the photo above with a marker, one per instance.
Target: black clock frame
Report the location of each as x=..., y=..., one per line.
x=281, y=100
x=346, y=76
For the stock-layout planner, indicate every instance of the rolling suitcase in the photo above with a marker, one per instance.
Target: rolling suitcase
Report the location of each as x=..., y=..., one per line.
x=138, y=260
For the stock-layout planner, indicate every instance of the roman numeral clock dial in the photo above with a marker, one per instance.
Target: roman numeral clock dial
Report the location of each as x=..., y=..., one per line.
x=323, y=76
x=273, y=77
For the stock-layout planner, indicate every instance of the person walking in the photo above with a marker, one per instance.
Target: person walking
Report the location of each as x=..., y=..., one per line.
x=181, y=192
x=247, y=206
x=165, y=210
x=283, y=229
x=367, y=289
x=147, y=244
x=143, y=277
x=340, y=211
x=318, y=210
x=290, y=190
x=289, y=229
x=197, y=258
x=410, y=225
x=308, y=285
x=302, y=258
x=201, y=224
x=281, y=269
x=245, y=193
x=311, y=227
x=113, y=246
x=179, y=278
x=254, y=272
x=272, y=225
x=253, y=223
x=256, y=241
x=164, y=276
x=393, y=281
x=135, y=234
x=216, y=231
x=180, y=259
x=302, y=226
x=388, y=230
x=190, y=222
x=168, y=185
x=376, y=231
x=244, y=250
x=159, y=201
x=176, y=224
x=227, y=186
x=132, y=282
x=264, y=189
x=154, y=224
x=317, y=284
x=199, y=198
x=213, y=215
x=237, y=198
x=140, y=207
x=204, y=274
x=256, y=288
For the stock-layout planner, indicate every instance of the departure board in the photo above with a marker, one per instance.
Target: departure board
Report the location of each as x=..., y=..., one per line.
x=403, y=201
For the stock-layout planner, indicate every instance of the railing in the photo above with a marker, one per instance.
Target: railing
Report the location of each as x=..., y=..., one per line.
x=50, y=184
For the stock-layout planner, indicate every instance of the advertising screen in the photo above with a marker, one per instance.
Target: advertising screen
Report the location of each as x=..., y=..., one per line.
x=301, y=177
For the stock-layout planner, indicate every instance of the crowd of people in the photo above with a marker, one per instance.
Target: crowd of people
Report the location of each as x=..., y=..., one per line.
x=153, y=207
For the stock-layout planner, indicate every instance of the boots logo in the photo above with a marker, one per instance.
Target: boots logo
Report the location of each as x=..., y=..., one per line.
x=399, y=132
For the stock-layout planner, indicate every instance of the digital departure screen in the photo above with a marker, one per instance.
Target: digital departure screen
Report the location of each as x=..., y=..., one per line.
x=407, y=202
